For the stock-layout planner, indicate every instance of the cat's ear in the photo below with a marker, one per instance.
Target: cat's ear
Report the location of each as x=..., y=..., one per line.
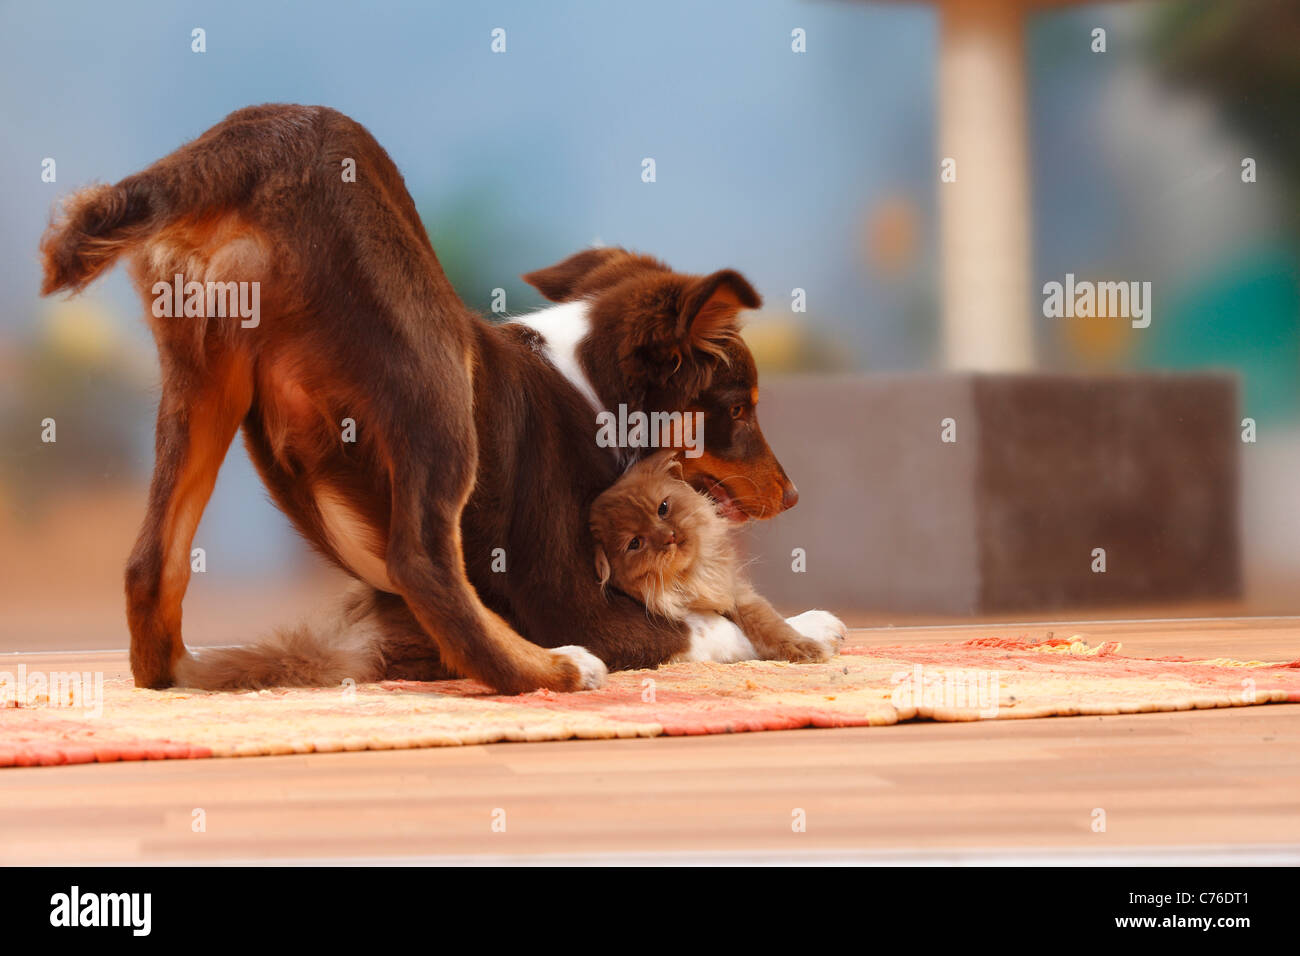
x=602, y=567
x=666, y=462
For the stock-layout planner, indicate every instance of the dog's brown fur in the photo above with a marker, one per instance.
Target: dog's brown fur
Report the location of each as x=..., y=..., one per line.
x=467, y=439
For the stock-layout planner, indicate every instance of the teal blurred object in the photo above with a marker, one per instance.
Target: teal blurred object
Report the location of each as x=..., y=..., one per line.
x=1245, y=318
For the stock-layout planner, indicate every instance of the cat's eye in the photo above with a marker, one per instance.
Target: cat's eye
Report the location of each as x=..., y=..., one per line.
x=663, y=508
x=737, y=411
x=634, y=544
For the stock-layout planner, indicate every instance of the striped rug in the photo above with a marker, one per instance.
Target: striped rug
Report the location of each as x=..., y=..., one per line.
x=983, y=679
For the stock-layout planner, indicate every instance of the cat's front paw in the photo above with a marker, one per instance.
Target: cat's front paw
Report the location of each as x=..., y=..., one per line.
x=823, y=631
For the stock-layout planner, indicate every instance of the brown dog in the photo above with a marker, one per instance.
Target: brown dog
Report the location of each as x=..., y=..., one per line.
x=410, y=442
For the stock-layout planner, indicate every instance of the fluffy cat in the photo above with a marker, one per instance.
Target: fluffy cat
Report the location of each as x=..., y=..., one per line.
x=661, y=542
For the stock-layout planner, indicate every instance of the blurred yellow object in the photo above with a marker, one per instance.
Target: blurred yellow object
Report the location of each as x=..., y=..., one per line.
x=789, y=343
x=1099, y=341
x=776, y=343
x=81, y=331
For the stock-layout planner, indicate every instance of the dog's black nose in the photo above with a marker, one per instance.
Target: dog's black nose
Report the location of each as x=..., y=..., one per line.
x=790, y=497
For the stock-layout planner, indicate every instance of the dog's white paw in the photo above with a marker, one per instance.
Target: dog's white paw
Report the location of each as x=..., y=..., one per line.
x=591, y=667
x=820, y=626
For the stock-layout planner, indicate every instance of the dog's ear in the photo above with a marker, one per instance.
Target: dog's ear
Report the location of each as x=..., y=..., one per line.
x=710, y=308
x=707, y=321
x=559, y=282
x=588, y=271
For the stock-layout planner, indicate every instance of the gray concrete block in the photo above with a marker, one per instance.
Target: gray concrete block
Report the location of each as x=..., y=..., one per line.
x=1045, y=468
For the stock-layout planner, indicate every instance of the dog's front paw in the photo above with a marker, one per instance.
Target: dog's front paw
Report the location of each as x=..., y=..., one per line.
x=591, y=669
x=822, y=629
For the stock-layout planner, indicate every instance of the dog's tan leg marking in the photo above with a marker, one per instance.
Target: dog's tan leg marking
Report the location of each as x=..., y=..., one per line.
x=196, y=423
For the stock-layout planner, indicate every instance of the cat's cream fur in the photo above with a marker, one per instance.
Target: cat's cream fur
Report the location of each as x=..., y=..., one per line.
x=661, y=542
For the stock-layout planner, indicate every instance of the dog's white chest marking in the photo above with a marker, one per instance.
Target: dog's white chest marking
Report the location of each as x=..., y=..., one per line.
x=353, y=540
x=714, y=638
x=563, y=326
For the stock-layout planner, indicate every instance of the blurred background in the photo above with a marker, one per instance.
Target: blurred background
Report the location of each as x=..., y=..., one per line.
x=802, y=143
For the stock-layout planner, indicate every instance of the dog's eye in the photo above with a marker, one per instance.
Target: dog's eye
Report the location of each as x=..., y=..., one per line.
x=634, y=544
x=737, y=411
x=663, y=508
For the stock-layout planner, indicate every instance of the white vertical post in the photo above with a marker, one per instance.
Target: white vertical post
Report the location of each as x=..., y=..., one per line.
x=987, y=318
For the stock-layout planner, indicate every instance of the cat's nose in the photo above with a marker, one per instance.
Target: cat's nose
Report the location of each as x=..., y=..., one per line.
x=671, y=538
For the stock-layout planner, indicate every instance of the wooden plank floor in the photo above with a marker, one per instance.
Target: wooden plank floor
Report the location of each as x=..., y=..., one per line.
x=1221, y=781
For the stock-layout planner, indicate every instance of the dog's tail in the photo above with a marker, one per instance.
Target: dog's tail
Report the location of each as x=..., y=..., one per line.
x=344, y=643
x=97, y=224
x=219, y=170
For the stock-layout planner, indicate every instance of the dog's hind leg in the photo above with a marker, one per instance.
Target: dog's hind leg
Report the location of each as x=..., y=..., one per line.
x=426, y=562
x=198, y=415
x=472, y=639
x=404, y=646
x=432, y=475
